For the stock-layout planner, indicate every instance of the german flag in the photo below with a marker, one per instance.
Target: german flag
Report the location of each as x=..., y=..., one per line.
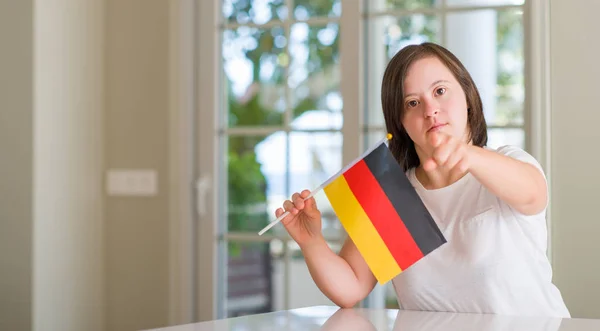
x=382, y=213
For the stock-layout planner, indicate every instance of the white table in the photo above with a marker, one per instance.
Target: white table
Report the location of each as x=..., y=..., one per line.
x=361, y=319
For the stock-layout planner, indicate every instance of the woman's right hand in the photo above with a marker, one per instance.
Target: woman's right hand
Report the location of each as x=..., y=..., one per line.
x=304, y=220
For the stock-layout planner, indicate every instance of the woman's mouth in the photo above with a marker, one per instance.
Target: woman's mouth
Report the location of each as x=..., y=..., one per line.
x=436, y=127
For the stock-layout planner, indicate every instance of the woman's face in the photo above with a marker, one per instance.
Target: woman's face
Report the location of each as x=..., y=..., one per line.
x=434, y=101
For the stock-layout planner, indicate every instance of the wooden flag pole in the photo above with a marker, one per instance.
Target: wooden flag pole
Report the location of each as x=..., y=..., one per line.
x=328, y=181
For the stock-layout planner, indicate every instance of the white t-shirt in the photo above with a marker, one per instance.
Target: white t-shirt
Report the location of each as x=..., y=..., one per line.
x=494, y=260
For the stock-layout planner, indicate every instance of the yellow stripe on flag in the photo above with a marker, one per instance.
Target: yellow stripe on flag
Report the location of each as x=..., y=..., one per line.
x=361, y=230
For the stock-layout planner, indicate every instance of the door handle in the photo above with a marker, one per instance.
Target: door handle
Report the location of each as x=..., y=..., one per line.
x=202, y=188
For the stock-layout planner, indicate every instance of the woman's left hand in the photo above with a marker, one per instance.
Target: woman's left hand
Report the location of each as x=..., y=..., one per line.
x=448, y=153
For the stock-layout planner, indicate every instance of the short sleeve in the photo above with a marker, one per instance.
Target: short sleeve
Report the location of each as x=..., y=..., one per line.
x=521, y=155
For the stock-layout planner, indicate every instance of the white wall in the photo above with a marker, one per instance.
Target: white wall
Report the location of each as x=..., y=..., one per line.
x=16, y=146
x=68, y=217
x=51, y=105
x=71, y=106
x=137, y=132
x=575, y=50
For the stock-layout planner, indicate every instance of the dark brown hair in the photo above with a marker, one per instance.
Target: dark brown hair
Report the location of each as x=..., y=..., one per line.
x=392, y=99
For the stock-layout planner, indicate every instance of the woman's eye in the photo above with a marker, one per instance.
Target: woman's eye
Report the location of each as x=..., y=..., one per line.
x=440, y=91
x=412, y=103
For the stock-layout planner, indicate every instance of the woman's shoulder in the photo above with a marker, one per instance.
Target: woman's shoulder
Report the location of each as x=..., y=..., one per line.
x=517, y=153
x=520, y=154
x=510, y=150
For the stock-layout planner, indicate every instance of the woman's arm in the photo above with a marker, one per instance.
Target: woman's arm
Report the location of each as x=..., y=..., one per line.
x=521, y=185
x=345, y=278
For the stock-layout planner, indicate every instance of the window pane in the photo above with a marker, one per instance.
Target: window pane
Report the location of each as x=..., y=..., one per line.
x=373, y=137
x=256, y=282
x=373, y=6
x=262, y=176
x=314, y=77
x=305, y=9
x=314, y=158
x=406, y=30
x=254, y=65
x=302, y=289
x=385, y=37
x=496, y=64
x=391, y=299
x=463, y=3
x=253, y=11
x=511, y=62
x=249, y=274
x=250, y=159
x=501, y=137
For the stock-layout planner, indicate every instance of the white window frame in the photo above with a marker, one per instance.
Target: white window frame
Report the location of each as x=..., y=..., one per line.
x=195, y=99
x=538, y=93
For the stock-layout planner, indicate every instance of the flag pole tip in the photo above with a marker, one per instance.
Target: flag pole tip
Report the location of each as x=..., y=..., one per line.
x=389, y=136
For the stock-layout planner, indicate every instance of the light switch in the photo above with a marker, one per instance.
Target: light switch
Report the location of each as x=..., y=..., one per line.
x=132, y=182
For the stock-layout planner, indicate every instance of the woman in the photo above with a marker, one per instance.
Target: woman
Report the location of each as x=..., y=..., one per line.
x=489, y=204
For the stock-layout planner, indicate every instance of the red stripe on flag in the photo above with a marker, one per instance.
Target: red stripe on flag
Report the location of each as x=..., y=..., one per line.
x=383, y=215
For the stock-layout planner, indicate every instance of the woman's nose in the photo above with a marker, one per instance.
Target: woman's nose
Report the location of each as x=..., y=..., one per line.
x=431, y=108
